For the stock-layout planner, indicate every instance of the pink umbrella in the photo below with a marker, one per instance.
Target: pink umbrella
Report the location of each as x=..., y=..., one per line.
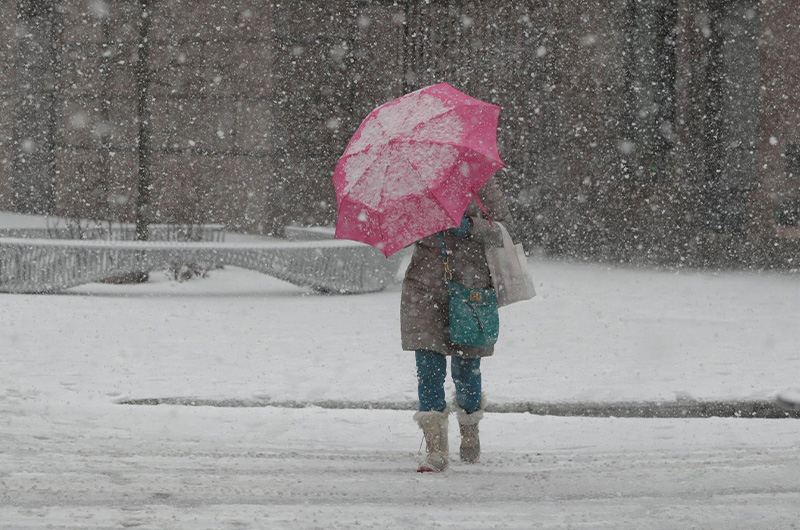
x=413, y=166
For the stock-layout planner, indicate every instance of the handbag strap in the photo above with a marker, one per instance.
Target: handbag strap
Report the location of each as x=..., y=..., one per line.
x=448, y=272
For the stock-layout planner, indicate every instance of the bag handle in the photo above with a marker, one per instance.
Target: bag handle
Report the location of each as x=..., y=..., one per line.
x=448, y=272
x=507, y=241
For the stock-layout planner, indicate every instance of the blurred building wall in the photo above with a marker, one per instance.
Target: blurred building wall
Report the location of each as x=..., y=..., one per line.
x=8, y=99
x=634, y=130
x=210, y=102
x=777, y=201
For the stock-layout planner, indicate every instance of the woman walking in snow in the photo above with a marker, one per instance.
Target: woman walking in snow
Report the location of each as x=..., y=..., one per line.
x=425, y=326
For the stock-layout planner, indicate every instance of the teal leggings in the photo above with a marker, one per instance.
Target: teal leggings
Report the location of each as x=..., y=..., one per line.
x=431, y=373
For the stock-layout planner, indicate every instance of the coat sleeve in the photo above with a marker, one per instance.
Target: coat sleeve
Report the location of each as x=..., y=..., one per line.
x=495, y=203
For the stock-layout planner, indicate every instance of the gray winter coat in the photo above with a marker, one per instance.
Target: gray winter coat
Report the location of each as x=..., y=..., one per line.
x=424, y=321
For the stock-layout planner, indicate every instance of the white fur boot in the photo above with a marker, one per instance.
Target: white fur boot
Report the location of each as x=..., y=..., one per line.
x=434, y=427
x=470, y=450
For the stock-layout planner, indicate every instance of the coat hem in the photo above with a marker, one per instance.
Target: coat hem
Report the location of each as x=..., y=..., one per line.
x=473, y=353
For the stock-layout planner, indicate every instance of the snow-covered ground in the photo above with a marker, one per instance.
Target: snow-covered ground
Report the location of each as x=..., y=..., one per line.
x=593, y=333
x=71, y=457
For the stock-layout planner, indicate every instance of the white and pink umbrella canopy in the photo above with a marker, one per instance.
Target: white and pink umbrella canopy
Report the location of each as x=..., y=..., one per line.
x=413, y=166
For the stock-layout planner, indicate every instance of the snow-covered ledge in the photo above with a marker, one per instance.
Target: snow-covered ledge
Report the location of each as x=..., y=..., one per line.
x=49, y=265
x=120, y=232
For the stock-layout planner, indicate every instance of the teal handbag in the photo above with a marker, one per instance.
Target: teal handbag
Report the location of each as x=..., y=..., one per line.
x=474, y=320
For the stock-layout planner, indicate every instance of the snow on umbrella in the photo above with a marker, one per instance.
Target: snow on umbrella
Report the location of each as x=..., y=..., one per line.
x=413, y=166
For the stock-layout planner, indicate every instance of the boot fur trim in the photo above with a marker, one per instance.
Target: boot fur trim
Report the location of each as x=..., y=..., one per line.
x=469, y=419
x=427, y=417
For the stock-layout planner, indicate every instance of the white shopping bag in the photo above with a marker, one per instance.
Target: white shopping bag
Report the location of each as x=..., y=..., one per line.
x=510, y=274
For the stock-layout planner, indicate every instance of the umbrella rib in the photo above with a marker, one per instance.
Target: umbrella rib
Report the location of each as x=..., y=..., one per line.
x=448, y=111
x=461, y=150
x=383, y=190
x=435, y=198
x=449, y=144
x=435, y=142
x=451, y=109
x=350, y=185
x=428, y=191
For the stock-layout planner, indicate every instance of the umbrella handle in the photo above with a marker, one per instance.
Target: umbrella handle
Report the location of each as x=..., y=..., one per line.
x=480, y=204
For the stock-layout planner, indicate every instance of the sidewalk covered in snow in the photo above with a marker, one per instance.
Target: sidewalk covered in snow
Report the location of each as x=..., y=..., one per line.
x=75, y=458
